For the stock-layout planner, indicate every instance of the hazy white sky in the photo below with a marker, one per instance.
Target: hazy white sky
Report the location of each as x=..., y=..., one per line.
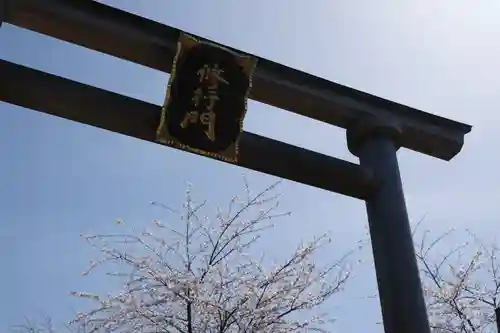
x=59, y=179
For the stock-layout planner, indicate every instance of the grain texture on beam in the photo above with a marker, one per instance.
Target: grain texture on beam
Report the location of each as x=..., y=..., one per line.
x=75, y=101
x=134, y=38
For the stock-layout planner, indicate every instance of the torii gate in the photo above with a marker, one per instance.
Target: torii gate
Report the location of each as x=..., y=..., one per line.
x=376, y=128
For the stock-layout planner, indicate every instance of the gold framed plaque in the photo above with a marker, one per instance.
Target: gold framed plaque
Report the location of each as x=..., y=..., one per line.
x=206, y=99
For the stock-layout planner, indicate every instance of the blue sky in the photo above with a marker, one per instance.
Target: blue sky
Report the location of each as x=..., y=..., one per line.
x=59, y=179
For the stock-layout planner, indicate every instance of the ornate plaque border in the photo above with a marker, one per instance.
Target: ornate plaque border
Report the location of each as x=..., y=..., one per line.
x=247, y=62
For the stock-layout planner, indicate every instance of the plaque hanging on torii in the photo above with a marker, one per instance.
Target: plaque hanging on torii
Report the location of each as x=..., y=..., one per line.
x=206, y=99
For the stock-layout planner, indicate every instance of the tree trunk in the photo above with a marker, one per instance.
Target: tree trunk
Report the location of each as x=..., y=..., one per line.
x=497, y=317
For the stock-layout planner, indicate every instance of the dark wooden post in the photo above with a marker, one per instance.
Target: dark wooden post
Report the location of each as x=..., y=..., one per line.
x=375, y=142
x=3, y=11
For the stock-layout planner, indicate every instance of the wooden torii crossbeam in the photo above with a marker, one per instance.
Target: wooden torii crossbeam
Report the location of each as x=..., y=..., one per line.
x=376, y=128
x=76, y=101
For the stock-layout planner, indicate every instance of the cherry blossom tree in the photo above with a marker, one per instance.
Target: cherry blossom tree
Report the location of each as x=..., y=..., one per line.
x=461, y=281
x=196, y=273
